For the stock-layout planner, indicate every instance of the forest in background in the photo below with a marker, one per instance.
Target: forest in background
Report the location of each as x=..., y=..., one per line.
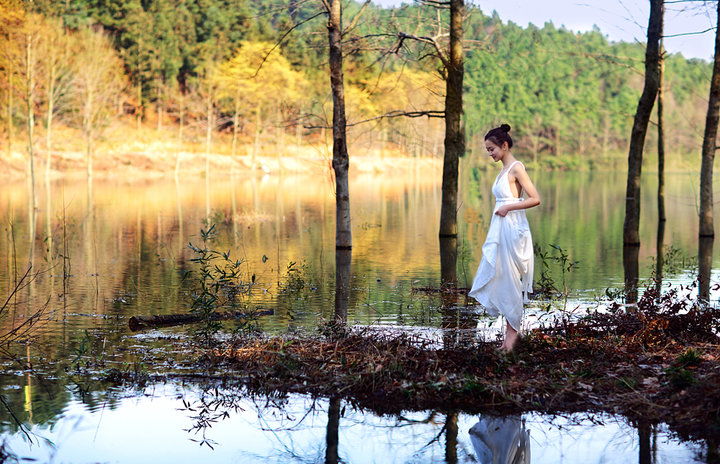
x=252, y=78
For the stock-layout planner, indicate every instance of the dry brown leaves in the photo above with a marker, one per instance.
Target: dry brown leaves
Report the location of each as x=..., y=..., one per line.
x=658, y=364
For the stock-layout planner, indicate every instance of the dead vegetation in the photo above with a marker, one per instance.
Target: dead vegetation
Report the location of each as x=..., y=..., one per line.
x=656, y=363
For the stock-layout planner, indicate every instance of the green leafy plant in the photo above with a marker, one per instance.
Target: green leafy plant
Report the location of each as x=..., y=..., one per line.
x=219, y=286
x=295, y=276
x=557, y=258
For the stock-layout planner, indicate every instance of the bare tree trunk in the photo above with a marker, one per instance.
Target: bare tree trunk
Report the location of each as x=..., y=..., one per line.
x=160, y=107
x=87, y=129
x=10, y=110
x=208, y=134
x=30, y=100
x=236, y=123
x=631, y=226
x=659, y=255
x=280, y=141
x=256, y=140
x=705, y=248
x=710, y=145
x=632, y=271
x=448, y=262
x=138, y=115
x=661, y=138
x=341, y=162
x=454, y=133
x=139, y=88
x=49, y=119
x=343, y=260
x=180, y=133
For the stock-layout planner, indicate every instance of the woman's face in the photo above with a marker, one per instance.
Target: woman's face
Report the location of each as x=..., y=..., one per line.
x=496, y=152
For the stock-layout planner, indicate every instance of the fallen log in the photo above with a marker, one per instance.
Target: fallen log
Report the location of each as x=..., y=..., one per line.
x=165, y=320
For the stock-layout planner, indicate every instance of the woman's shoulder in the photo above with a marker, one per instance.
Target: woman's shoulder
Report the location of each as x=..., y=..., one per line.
x=517, y=167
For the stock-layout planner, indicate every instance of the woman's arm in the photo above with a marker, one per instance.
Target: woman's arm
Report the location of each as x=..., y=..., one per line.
x=533, y=198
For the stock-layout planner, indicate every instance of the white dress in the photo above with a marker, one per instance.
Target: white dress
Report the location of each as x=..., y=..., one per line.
x=505, y=275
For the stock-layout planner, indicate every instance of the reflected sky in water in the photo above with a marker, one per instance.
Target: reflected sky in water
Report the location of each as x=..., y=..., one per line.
x=157, y=427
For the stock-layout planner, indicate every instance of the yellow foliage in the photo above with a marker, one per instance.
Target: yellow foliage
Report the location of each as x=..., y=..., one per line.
x=259, y=74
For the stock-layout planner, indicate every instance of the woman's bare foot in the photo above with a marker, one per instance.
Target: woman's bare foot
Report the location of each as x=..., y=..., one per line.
x=511, y=337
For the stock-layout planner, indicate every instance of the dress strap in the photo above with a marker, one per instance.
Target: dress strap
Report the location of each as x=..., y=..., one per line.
x=509, y=168
x=513, y=164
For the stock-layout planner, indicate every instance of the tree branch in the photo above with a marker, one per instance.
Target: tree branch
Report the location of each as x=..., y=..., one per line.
x=690, y=33
x=354, y=21
x=430, y=40
x=277, y=44
x=326, y=5
x=435, y=3
x=392, y=114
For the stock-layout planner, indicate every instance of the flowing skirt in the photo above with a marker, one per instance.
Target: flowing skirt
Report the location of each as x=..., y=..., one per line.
x=505, y=274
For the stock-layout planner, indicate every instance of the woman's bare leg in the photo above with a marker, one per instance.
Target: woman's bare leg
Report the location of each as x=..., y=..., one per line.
x=511, y=336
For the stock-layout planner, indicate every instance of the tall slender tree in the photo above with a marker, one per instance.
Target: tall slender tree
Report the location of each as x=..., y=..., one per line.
x=454, y=133
x=340, y=162
x=55, y=59
x=97, y=80
x=710, y=144
x=661, y=124
x=631, y=226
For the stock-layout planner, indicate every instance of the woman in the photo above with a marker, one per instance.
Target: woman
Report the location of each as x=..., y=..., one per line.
x=504, y=277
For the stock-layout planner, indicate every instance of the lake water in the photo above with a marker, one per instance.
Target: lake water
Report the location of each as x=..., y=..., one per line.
x=104, y=252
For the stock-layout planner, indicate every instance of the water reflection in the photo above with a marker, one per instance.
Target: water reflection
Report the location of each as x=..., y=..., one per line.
x=645, y=443
x=332, y=436
x=123, y=252
x=501, y=440
x=451, y=437
x=299, y=429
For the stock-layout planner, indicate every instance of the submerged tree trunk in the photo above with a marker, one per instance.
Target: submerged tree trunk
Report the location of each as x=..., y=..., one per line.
x=340, y=163
x=454, y=133
x=710, y=145
x=631, y=226
x=343, y=260
x=632, y=271
x=448, y=262
x=705, y=249
x=659, y=254
x=165, y=320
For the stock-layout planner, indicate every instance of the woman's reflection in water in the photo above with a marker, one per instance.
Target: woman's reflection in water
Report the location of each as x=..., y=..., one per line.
x=501, y=440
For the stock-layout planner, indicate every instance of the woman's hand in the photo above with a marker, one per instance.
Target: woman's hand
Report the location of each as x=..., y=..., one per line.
x=503, y=210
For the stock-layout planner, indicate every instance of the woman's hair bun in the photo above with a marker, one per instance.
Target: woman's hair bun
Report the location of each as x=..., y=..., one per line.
x=505, y=127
